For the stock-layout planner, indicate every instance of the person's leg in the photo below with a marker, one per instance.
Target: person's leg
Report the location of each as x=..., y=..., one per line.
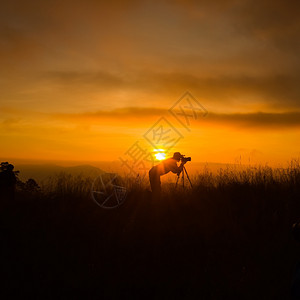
x=155, y=183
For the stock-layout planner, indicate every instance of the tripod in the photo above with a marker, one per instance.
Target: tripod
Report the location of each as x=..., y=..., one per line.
x=182, y=177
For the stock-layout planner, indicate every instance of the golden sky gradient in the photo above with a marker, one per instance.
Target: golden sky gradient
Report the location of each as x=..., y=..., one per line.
x=85, y=80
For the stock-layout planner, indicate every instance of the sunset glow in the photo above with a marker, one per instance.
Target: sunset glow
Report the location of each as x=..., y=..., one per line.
x=85, y=82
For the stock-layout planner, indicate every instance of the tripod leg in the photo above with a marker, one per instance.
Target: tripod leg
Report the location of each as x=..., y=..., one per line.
x=182, y=178
x=187, y=175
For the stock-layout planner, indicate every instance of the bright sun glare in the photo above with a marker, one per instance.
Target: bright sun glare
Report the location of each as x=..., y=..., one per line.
x=159, y=155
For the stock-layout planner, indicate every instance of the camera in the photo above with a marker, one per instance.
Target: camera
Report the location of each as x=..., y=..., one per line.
x=185, y=159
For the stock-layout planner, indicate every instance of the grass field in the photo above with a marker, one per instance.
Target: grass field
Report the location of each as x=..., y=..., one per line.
x=227, y=238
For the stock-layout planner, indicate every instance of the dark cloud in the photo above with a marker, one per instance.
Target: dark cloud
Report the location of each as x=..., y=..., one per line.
x=247, y=120
x=258, y=120
x=275, y=91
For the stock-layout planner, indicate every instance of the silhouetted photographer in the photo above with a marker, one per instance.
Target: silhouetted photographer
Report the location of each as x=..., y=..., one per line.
x=166, y=166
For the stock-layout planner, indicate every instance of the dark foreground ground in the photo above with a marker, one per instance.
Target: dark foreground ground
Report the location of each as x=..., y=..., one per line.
x=225, y=243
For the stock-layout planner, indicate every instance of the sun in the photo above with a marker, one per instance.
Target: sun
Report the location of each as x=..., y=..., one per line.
x=160, y=155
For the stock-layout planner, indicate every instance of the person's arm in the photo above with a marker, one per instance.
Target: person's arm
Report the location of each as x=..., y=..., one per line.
x=175, y=169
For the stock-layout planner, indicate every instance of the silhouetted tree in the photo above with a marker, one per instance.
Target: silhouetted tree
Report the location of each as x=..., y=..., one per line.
x=31, y=186
x=8, y=179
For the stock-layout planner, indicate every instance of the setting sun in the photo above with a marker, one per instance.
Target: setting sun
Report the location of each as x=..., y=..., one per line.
x=159, y=155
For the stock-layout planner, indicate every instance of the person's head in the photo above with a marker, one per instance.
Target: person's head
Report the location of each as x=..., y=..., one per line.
x=177, y=156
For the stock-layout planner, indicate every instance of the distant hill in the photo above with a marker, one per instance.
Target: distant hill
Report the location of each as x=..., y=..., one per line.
x=41, y=172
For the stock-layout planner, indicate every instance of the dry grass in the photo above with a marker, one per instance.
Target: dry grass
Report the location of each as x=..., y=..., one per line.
x=228, y=237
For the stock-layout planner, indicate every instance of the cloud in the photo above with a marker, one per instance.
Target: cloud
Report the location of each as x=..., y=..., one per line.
x=69, y=78
x=273, y=91
x=274, y=21
x=257, y=120
x=126, y=113
x=246, y=120
x=137, y=116
x=230, y=53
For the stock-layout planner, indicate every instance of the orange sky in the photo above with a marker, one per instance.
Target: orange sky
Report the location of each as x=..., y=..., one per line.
x=85, y=80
